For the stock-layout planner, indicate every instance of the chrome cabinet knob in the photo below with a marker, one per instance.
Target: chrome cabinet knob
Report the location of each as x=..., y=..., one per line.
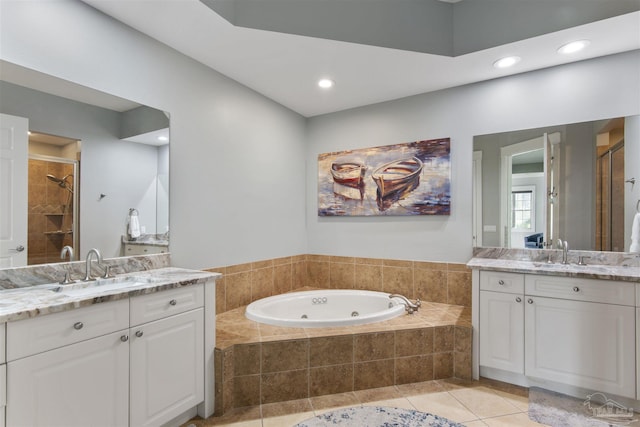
x=78, y=325
x=576, y=289
x=124, y=338
x=173, y=302
x=501, y=282
x=530, y=301
x=518, y=299
x=139, y=334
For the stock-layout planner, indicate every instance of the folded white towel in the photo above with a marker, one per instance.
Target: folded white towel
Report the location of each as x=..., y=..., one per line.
x=635, y=234
x=134, y=226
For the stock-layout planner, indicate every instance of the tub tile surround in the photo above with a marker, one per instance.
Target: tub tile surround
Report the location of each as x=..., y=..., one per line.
x=261, y=364
x=251, y=367
x=446, y=283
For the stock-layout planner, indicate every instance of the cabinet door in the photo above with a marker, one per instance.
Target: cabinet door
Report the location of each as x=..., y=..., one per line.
x=583, y=344
x=502, y=331
x=167, y=368
x=84, y=384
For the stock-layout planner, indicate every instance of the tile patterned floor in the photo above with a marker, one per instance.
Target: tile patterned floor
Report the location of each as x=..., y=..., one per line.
x=474, y=403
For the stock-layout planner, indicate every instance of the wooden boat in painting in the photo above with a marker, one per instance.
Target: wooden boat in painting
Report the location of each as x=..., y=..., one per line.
x=348, y=173
x=397, y=176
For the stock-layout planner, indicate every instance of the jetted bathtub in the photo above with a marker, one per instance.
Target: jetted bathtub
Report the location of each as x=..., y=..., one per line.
x=325, y=308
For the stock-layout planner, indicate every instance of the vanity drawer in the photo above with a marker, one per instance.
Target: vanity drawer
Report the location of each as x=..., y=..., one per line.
x=147, y=308
x=594, y=290
x=502, y=282
x=32, y=336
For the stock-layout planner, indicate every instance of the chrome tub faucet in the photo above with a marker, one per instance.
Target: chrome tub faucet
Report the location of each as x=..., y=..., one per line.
x=409, y=306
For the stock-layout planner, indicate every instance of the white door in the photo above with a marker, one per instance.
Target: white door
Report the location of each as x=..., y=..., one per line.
x=84, y=384
x=502, y=331
x=14, y=142
x=167, y=368
x=583, y=344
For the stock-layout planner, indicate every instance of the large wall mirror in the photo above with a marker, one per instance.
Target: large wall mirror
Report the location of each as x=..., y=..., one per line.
x=568, y=182
x=89, y=162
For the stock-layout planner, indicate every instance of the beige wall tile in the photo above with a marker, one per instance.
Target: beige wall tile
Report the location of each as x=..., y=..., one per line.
x=414, y=369
x=368, y=277
x=238, y=268
x=374, y=374
x=246, y=391
x=374, y=346
x=288, y=385
x=342, y=276
x=443, y=338
x=330, y=379
x=330, y=350
x=261, y=283
x=442, y=365
x=459, y=284
x=238, y=289
x=257, y=265
x=412, y=342
x=246, y=359
x=463, y=339
x=398, y=280
x=285, y=355
x=318, y=274
x=431, y=285
x=282, y=278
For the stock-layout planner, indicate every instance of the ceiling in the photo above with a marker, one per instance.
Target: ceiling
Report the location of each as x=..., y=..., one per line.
x=286, y=67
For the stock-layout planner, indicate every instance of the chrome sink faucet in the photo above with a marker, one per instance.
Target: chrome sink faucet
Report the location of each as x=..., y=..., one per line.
x=67, y=250
x=565, y=250
x=93, y=251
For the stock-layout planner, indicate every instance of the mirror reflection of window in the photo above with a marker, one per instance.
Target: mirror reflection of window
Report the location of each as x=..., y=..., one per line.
x=523, y=208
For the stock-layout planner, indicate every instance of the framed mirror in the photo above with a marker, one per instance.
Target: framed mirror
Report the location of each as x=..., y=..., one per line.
x=568, y=182
x=92, y=161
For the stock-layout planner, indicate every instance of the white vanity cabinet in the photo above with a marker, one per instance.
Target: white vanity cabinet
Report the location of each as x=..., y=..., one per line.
x=502, y=321
x=69, y=368
x=167, y=355
x=3, y=375
x=580, y=333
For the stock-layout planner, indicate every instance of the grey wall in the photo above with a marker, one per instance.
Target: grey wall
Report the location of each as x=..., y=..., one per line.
x=124, y=171
x=237, y=158
x=578, y=92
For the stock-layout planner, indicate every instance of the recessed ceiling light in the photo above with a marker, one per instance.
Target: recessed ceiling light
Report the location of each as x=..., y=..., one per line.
x=325, y=83
x=573, y=47
x=506, y=62
x=163, y=138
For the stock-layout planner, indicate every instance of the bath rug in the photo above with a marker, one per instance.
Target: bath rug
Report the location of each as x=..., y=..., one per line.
x=595, y=410
x=377, y=416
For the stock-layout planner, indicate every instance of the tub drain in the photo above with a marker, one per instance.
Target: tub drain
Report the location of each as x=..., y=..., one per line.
x=355, y=314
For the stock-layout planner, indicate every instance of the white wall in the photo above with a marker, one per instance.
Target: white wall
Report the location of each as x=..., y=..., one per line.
x=588, y=90
x=236, y=157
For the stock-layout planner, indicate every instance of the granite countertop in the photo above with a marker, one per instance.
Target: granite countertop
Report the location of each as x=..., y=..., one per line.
x=32, y=301
x=606, y=272
x=147, y=239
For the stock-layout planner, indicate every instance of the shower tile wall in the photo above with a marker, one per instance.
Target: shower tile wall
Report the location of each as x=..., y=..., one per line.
x=50, y=212
x=439, y=282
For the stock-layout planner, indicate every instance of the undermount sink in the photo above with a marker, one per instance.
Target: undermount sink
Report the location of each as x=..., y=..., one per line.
x=103, y=285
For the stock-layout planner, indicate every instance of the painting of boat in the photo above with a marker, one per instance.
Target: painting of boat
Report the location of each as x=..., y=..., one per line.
x=398, y=176
x=411, y=178
x=348, y=173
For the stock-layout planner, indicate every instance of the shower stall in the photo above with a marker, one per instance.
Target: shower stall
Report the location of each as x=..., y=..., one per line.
x=52, y=207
